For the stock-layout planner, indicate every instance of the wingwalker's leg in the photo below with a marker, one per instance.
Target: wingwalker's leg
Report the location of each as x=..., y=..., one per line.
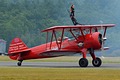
x=83, y=62
x=96, y=61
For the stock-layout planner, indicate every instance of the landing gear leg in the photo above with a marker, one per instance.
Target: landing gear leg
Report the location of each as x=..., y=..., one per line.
x=83, y=62
x=96, y=61
x=20, y=62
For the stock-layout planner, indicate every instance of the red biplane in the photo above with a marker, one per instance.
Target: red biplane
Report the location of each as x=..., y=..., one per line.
x=85, y=39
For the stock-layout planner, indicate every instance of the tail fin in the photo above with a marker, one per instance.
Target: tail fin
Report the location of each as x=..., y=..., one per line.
x=16, y=46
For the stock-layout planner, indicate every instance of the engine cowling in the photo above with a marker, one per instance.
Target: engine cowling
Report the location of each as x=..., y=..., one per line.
x=93, y=40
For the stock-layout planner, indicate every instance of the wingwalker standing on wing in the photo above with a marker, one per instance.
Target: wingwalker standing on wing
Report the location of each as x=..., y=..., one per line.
x=72, y=15
x=84, y=43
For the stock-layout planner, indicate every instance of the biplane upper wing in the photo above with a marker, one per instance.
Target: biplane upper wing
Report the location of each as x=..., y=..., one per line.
x=103, y=26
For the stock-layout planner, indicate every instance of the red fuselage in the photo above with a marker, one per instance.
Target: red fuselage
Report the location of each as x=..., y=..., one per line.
x=68, y=46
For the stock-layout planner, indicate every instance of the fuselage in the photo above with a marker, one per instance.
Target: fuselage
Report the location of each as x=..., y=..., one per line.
x=68, y=47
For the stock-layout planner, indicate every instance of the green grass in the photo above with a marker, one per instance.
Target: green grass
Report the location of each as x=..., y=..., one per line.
x=4, y=58
x=58, y=74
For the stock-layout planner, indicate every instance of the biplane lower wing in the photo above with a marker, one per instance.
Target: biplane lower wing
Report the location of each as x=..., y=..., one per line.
x=55, y=53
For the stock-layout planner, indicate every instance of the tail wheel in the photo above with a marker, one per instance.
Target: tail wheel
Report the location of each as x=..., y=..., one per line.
x=97, y=62
x=19, y=63
x=83, y=62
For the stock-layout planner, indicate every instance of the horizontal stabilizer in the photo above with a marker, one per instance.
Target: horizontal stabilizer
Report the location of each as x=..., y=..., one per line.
x=19, y=52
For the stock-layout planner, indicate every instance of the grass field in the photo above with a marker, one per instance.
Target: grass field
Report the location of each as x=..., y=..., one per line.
x=58, y=74
x=25, y=73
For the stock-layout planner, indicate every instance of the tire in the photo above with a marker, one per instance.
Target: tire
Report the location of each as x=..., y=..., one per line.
x=19, y=63
x=97, y=62
x=83, y=62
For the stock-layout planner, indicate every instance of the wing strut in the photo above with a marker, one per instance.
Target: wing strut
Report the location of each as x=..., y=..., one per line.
x=56, y=39
x=51, y=39
x=61, y=38
x=105, y=31
x=73, y=34
x=54, y=36
x=46, y=40
x=82, y=33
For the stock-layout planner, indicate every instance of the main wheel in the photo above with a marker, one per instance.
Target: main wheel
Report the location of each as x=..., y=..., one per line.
x=83, y=62
x=97, y=62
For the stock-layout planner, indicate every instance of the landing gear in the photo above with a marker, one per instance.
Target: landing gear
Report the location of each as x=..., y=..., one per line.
x=96, y=62
x=83, y=62
x=19, y=63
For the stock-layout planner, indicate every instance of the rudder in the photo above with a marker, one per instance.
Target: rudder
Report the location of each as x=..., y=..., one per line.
x=16, y=46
